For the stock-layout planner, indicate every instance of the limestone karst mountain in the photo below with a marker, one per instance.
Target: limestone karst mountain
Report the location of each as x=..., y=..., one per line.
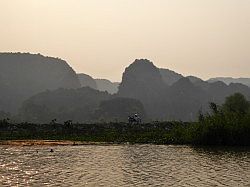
x=194, y=79
x=169, y=76
x=106, y=85
x=176, y=97
x=49, y=88
x=23, y=75
x=184, y=99
x=98, y=84
x=142, y=80
x=87, y=81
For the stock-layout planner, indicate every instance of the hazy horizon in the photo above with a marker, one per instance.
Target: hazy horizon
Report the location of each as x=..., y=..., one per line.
x=201, y=38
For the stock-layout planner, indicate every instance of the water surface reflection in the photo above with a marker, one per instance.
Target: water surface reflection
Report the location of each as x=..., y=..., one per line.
x=124, y=165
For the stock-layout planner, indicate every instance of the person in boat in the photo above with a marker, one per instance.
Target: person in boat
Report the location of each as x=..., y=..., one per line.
x=134, y=119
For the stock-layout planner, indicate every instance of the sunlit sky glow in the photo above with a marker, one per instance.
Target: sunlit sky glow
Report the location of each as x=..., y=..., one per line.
x=205, y=38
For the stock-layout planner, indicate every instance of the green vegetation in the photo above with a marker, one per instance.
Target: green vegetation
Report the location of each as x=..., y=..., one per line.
x=228, y=124
x=99, y=132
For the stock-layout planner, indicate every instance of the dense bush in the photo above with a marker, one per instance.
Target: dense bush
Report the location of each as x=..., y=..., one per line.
x=226, y=125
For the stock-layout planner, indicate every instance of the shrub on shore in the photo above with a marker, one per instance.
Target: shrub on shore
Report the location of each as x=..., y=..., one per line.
x=228, y=124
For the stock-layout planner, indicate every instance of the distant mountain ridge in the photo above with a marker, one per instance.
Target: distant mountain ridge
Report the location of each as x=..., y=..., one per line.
x=167, y=95
x=87, y=81
x=228, y=80
x=98, y=84
x=38, y=88
x=106, y=85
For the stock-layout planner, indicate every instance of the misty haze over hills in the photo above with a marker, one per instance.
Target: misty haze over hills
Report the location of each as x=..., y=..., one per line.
x=174, y=100
x=23, y=75
x=98, y=84
x=106, y=85
x=228, y=80
x=38, y=89
x=80, y=105
x=86, y=80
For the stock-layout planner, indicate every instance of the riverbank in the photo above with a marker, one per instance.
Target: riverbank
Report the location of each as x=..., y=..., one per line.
x=48, y=143
x=113, y=133
x=164, y=133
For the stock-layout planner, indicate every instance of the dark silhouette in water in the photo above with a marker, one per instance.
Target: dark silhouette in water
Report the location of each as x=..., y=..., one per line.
x=51, y=150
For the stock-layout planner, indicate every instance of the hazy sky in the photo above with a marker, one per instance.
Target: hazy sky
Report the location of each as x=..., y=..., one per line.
x=205, y=38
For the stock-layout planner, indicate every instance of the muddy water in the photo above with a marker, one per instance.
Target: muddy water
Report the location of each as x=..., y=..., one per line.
x=124, y=165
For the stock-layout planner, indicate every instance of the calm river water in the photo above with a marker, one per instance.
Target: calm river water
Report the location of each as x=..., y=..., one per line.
x=124, y=165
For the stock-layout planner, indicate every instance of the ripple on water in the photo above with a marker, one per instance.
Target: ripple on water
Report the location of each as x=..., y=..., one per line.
x=124, y=165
